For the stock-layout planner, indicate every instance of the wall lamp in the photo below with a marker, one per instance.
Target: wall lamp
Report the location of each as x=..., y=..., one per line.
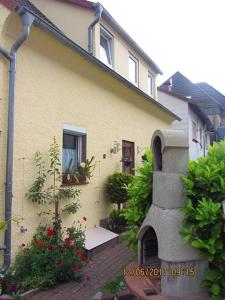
x=116, y=147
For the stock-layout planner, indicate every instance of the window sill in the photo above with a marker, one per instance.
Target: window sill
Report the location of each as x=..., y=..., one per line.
x=74, y=184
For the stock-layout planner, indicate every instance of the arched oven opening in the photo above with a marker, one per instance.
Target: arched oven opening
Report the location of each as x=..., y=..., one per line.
x=149, y=249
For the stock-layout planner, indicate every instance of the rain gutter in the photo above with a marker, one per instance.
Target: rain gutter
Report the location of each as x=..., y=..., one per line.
x=27, y=20
x=98, y=10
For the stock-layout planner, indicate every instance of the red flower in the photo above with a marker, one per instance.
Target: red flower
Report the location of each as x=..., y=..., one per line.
x=78, y=252
x=41, y=244
x=23, y=245
x=69, y=229
x=85, y=219
x=50, y=232
x=64, y=246
x=52, y=247
x=84, y=258
x=68, y=240
x=88, y=277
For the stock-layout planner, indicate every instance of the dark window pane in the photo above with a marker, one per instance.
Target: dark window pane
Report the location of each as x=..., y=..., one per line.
x=69, y=141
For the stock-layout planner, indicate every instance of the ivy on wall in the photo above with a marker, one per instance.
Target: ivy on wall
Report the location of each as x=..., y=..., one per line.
x=203, y=223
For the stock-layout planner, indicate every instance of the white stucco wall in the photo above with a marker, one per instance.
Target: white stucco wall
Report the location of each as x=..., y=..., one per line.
x=183, y=110
x=199, y=148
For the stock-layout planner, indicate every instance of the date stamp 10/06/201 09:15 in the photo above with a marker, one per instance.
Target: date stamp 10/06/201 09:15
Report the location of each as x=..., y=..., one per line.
x=157, y=272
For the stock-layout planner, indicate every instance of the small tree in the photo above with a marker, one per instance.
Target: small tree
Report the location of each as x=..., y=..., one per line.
x=54, y=193
x=115, y=187
x=140, y=198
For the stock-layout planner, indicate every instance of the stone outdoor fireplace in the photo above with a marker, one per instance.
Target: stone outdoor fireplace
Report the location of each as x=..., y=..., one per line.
x=160, y=244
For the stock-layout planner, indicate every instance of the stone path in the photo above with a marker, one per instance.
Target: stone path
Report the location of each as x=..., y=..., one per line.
x=103, y=267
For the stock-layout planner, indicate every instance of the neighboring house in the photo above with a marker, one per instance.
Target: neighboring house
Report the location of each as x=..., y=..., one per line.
x=217, y=118
x=66, y=92
x=183, y=97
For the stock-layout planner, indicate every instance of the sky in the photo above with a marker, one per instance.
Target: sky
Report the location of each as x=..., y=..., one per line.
x=179, y=35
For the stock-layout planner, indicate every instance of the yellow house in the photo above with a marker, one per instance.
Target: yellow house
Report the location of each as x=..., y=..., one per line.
x=62, y=90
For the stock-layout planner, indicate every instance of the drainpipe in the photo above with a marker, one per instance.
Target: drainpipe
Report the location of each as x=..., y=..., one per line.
x=27, y=20
x=98, y=13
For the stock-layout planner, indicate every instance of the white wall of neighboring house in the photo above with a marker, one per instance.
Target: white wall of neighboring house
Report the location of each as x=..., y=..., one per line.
x=199, y=138
x=179, y=107
x=182, y=109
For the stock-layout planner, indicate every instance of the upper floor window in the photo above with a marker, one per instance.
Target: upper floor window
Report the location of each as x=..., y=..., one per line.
x=133, y=69
x=194, y=131
x=150, y=85
x=106, y=47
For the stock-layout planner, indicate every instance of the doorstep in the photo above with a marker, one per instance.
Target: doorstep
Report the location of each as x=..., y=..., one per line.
x=98, y=239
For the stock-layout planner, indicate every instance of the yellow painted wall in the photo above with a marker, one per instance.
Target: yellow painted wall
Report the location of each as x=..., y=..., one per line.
x=57, y=86
x=74, y=22
x=121, y=51
x=70, y=19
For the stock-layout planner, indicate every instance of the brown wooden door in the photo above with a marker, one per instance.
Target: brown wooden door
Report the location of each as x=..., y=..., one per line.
x=128, y=157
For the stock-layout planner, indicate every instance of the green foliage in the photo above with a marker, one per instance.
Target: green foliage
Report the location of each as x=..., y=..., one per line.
x=40, y=193
x=71, y=208
x=50, y=258
x=115, y=285
x=4, y=224
x=139, y=199
x=86, y=168
x=116, y=187
x=203, y=224
x=117, y=221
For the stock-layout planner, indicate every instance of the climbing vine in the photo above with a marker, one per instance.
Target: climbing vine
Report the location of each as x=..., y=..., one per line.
x=203, y=223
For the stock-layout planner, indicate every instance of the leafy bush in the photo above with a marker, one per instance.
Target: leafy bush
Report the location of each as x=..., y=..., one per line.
x=203, y=225
x=115, y=187
x=139, y=199
x=51, y=257
x=117, y=221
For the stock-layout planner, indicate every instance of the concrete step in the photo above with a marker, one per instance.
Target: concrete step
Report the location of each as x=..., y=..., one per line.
x=98, y=239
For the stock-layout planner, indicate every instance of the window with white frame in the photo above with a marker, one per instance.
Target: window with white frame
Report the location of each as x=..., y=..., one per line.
x=106, y=41
x=74, y=148
x=201, y=136
x=133, y=69
x=194, y=131
x=150, y=84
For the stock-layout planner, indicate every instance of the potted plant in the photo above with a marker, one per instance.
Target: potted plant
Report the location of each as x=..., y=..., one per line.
x=68, y=176
x=85, y=170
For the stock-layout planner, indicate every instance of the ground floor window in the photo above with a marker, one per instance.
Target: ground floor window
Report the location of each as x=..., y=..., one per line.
x=74, y=149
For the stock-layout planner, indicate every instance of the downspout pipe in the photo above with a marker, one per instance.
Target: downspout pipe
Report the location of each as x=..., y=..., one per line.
x=98, y=10
x=27, y=20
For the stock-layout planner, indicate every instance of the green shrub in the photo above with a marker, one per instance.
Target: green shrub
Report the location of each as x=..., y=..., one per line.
x=203, y=224
x=115, y=187
x=117, y=221
x=51, y=257
x=139, y=199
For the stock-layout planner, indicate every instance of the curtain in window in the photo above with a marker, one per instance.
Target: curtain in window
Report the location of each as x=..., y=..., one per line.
x=69, y=161
x=105, y=50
